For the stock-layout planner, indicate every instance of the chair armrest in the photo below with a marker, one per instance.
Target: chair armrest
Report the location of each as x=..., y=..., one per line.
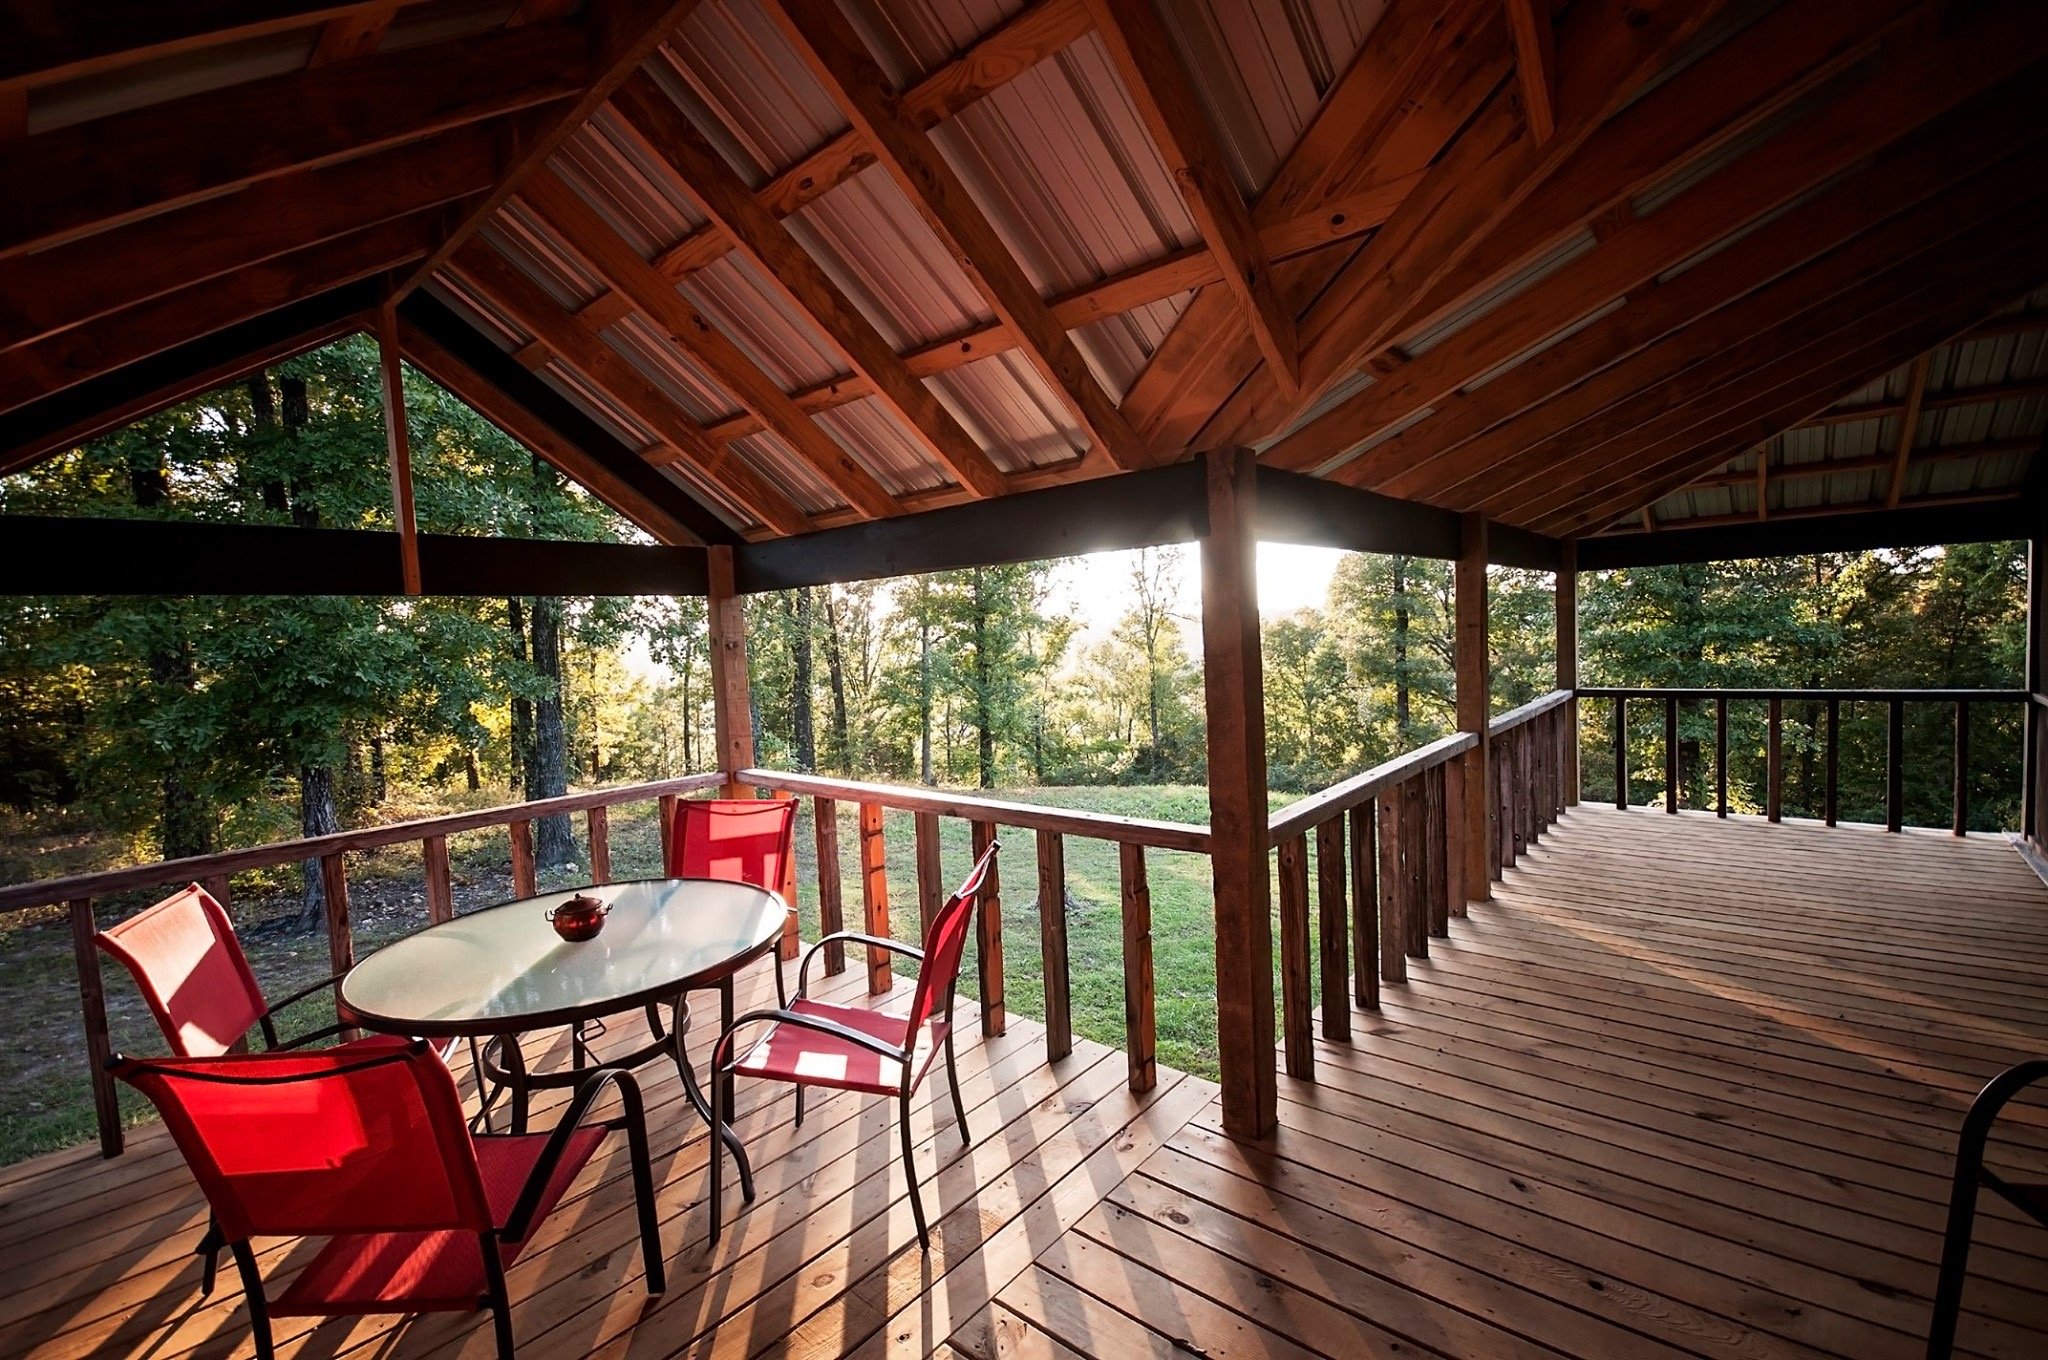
x=721, y=1052
x=324, y=1032
x=853, y=937
x=519, y=1222
x=268, y=1018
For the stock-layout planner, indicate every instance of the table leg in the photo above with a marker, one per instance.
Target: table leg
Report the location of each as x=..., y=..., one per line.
x=515, y=1072
x=725, y=1018
x=679, y=1027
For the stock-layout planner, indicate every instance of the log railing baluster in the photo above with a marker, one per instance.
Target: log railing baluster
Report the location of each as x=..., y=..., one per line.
x=1774, y=761
x=92, y=1002
x=1296, y=1028
x=1962, y=808
x=440, y=889
x=1671, y=755
x=988, y=932
x=597, y=822
x=1365, y=905
x=341, y=945
x=1393, y=877
x=523, y=882
x=1415, y=860
x=1052, y=933
x=1434, y=841
x=874, y=893
x=831, y=890
x=1333, y=921
x=1895, y=765
x=1454, y=835
x=665, y=814
x=931, y=874
x=1141, y=1023
x=1620, y=753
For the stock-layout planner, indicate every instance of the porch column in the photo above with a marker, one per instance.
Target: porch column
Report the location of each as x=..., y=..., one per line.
x=1234, y=685
x=1568, y=664
x=732, y=709
x=1482, y=865
x=2034, y=798
x=398, y=445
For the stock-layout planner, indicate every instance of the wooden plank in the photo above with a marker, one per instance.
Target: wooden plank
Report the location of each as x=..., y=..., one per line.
x=1365, y=902
x=874, y=886
x=597, y=822
x=1178, y=123
x=1333, y=928
x=988, y=932
x=1052, y=944
x=440, y=890
x=398, y=448
x=1529, y=23
x=831, y=895
x=1233, y=685
x=170, y=154
x=59, y=44
x=1141, y=1024
x=1394, y=900
x=931, y=874
x=1473, y=672
x=1297, y=990
x=663, y=129
x=732, y=704
x=92, y=1002
x=837, y=57
x=520, y=833
x=352, y=36
x=1909, y=430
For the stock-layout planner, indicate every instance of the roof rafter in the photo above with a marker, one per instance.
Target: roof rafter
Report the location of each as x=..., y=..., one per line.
x=842, y=63
x=1876, y=462
x=1909, y=430
x=1529, y=24
x=780, y=258
x=615, y=260
x=171, y=154
x=1152, y=72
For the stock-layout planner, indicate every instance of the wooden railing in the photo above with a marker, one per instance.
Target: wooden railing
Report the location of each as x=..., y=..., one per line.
x=1533, y=750
x=79, y=893
x=1963, y=701
x=1050, y=826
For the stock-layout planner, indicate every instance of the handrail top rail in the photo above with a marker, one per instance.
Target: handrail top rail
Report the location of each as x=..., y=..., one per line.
x=52, y=891
x=1031, y=816
x=1852, y=695
x=1317, y=808
x=1536, y=707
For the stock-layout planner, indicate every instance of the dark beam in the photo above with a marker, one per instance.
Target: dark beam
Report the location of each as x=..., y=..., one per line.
x=1995, y=523
x=68, y=418
x=1296, y=508
x=52, y=40
x=57, y=556
x=505, y=376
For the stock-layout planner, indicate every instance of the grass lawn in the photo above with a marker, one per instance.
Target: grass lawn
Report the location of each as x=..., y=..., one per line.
x=45, y=1100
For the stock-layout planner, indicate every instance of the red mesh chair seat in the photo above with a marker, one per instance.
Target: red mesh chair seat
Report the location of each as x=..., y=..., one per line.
x=795, y=1054
x=433, y=1271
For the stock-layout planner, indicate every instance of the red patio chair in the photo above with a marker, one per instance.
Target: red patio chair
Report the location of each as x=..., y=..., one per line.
x=852, y=1048
x=736, y=840
x=366, y=1146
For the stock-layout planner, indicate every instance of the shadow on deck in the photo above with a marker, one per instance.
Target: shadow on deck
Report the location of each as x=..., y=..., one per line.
x=1685, y=1087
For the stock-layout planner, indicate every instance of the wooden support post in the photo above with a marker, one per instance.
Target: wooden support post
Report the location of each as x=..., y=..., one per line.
x=1473, y=670
x=831, y=893
x=1052, y=938
x=931, y=874
x=521, y=835
x=1895, y=765
x=92, y=1002
x=790, y=946
x=1333, y=920
x=216, y=886
x=1141, y=1024
x=665, y=811
x=1834, y=760
x=398, y=444
x=732, y=709
x=1234, y=693
x=1962, y=809
x=988, y=937
x=341, y=945
x=2034, y=798
x=1567, y=596
x=598, y=822
x=1415, y=860
x=1454, y=835
x=1620, y=753
x=1720, y=755
x=1437, y=874
x=874, y=893
x=1774, y=762
x=1365, y=907
x=1393, y=891
x=440, y=891
x=1297, y=1002
x=1671, y=754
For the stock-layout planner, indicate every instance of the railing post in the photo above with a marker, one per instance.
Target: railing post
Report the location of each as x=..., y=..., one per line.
x=1671, y=754
x=1567, y=595
x=1774, y=762
x=598, y=822
x=731, y=704
x=931, y=874
x=2034, y=718
x=1895, y=765
x=1620, y=753
x=791, y=945
x=521, y=835
x=1334, y=924
x=831, y=893
x=665, y=812
x=1052, y=935
x=1393, y=891
x=1834, y=759
x=1415, y=863
x=1233, y=685
x=1474, y=695
x=1454, y=834
x=92, y=1001
x=988, y=937
x=440, y=892
x=1365, y=907
x=1297, y=1034
x=1141, y=1024
x=341, y=945
x=874, y=891
x=1436, y=840
x=1721, y=755
x=1962, y=811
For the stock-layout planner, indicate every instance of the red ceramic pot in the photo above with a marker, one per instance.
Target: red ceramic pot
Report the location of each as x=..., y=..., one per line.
x=579, y=918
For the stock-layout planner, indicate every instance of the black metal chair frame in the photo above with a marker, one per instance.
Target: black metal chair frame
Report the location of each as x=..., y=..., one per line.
x=1971, y=1175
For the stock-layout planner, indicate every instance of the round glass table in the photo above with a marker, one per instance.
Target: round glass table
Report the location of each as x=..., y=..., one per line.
x=501, y=972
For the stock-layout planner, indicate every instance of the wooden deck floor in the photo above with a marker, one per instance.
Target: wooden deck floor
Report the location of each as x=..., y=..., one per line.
x=1684, y=1088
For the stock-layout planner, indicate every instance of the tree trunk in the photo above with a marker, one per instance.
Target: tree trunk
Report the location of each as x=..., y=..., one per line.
x=804, y=721
x=548, y=775
x=522, y=707
x=984, y=682
x=835, y=671
x=317, y=817
x=1401, y=698
x=924, y=702
x=380, y=787
x=471, y=778
x=185, y=820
